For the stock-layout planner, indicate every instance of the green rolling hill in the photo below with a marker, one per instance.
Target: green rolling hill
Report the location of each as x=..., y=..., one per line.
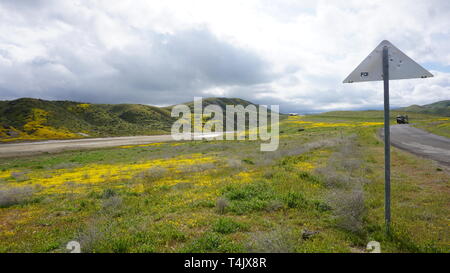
x=441, y=108
x=28, y=119
x=221, y=102
x=40, y=119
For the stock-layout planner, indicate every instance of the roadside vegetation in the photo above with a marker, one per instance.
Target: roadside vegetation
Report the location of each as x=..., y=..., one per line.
x=321, y=191
x=438, y=126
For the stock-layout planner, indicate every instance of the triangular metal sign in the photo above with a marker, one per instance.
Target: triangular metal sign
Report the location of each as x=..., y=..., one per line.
x=400, y=66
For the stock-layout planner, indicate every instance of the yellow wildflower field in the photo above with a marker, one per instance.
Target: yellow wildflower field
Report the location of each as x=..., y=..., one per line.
x=59, y=181
x=225, y=196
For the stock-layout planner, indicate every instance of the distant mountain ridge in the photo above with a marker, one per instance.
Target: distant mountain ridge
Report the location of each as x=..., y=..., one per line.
x=222, y=102
x=441, y=108
x=29, y=118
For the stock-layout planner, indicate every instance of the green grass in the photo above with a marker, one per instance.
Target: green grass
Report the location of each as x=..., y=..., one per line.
x=372, y=115
x=272, y=202
x=437, y=126
x=228, y=225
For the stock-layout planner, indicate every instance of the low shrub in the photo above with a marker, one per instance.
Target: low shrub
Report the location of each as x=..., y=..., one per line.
x=227, y=225
x=295, y=200
x=153, y=174
x=212, y=242
x=249, y=197
x=107, y=193
x=222, y=204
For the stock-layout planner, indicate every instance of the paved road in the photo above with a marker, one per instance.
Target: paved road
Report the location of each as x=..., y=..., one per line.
x=53, y=146
x=421, y=143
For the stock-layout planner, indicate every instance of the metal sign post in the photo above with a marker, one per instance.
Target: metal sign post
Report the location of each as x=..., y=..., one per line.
x=387, y=142
x=386, y=62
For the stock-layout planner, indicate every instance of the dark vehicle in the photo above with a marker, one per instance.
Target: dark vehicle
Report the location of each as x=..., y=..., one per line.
x=402, y=119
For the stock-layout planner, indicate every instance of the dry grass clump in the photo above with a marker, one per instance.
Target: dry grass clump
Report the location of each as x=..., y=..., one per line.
x=344, y=174
x=274, y=241
x=112, y=203
x=100, y=227
x=349, y=209
x=153, y=174
x=221, y=204
x=234, y=163
x=183, y=186
x=333, y=179
x=107, y=193
x=197, y=167
x=274, y=205
x=90, y=238
x=352, y=165
x=15, y=196
x=342, y=166
x=20, y=176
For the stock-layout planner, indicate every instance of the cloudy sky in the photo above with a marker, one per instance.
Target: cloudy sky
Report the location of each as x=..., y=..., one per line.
x=291, y=53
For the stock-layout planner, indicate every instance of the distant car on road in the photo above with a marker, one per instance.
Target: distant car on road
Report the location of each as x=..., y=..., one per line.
x=402, y=119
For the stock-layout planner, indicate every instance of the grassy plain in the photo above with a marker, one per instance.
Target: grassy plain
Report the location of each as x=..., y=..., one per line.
x=322, y=191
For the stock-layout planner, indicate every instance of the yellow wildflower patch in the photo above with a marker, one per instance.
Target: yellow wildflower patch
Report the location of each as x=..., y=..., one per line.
x=245, y=177
x=305, y=166
x=28, y=215
x=371, y=123
x=139, y=188
x=7, y=233
x=35, y=128
x=301, y=122
x=83, y=105
x=5, y=174
x=69, y=180
x=191, y=220
x=176, y=144
x=141, y=145
x=311, y=124
x=169, y=182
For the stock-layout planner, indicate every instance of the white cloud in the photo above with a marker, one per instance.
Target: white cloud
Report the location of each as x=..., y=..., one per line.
x=295, y=53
